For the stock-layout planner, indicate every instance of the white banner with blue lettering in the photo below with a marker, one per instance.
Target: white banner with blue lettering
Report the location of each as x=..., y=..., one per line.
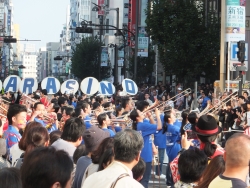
x=51, y=84
x=89, y=85
x=11, y=83
x=129, y=86
x=28, y=85
x=106, y=88
x=69, y=87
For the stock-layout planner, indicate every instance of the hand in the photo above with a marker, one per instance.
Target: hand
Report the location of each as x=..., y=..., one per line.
x=185, y=143
x=157, y=112
x=244, y=126
x=148, y=114
x=36, y=113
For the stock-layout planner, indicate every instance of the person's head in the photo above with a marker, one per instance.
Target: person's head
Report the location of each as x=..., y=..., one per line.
x=193, y=118
x=10, y=178
x=37, y=137
x=93, y=137
x=127, y=104
x=244, y=107
x=73, y=131
x=146, y=96
x=79, y=152
x=62, y=101
x=136, y=116
x=241, y=100
x=169, y=117
x=139, y=170
x=54, y=136
x=23, y=141
x=207, y=130
x=103, y=119
x=53, y=107
x=119, y=111
x=142, y=105
x=43, y=92
x=39, y=107
x=245, y=94
x=107, y=143
x=215, y=167
x=179, y=89
x=191, y=165
x=67, y=113
x=237, y=151
x=127, y=146
x=16, y=115
x=46, y=167
x=86, y=108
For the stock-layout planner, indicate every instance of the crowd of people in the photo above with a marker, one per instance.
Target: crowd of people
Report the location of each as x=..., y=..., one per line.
x=66, y=140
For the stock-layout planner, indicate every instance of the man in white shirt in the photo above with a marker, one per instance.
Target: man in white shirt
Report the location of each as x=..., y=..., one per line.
x=127, y=148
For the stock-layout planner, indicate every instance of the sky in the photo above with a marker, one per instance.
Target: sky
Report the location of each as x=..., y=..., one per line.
x=40, y=20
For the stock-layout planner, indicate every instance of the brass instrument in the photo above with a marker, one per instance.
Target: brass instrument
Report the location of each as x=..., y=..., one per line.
x=26, y=98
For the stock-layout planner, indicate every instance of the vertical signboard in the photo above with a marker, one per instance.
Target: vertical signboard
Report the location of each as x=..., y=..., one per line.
x=235, y=20
x=143, y=41
x=131, y=21
x=104, y=56
x=100, y=4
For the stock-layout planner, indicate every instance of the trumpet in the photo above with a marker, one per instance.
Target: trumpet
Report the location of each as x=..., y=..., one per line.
x=1, y=99
x=27, y=98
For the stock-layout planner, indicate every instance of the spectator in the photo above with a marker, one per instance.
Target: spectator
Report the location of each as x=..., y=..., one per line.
x=104, y=122
x=236, y=156
x=55, y=168
x=127, y=147
x=71, y=136
x=54, y=136
x=92, y=138
x=139, y=170
x=10, y=178
x=214, y=168
x=191, y=165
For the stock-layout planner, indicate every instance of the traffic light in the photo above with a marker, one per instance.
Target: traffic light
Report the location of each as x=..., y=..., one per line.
x=241, y=51
x=84, y=30
x=9, y=40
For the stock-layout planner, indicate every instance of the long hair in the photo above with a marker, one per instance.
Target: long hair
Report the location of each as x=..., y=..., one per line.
x=165, y=123
x=184, y=116
x=133, y=115
x=209, y=148
x=215, y=168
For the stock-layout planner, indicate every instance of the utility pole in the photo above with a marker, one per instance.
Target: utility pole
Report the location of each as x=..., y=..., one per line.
x=136, y=39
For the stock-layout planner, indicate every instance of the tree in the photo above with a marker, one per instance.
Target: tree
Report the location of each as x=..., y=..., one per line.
x=85, y=60
x=188, y=41
x=145, y=65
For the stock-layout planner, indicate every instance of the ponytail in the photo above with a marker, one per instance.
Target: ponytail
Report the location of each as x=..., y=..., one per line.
x=134, y=126
x=210, y=149
x=164, y=128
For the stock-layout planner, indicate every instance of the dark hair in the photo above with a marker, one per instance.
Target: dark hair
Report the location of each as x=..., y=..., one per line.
x=10, y=178
x=117, y=110
x=54, y=136
x=45, y=166
x=96, y=105
x=79, y=98
x=23, y=141
x=125, y=101
x=214, y=168
x=79, y=152
x=184, y=116
x=192, y=118
x=106, y=104
x=241, y=97
x=209, y=148
x=73, y=129
x=13, y=110
x=107, y=143
x=37, y=137
x=141, y=105
x=133, y=115
x=78, y=111
x=54, y=100
x=245, y=92
x=106, y=158
x=244, y=106
x=191, y=165
x=99, y=99
x=71, y=97
x=56, y=107
x=61, y=100
x=84, y=106
x=44, y=91
x=127, y=145
x=101, y=117
x=139, y=169
x=69, y=111
x=36, y=104
x=165, y=123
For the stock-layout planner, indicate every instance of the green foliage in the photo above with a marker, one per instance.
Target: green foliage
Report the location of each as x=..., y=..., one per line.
x=188, y=41
x=145, y=65
x=85, y=60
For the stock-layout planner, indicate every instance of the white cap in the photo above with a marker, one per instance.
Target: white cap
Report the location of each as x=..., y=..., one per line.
x=179, y=89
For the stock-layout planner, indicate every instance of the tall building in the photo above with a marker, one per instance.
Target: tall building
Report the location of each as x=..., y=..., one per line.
x=29, y=61
x=41, y=64
x=52, y=49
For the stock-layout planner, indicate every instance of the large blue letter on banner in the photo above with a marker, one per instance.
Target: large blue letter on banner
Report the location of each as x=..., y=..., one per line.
x=28, y=84
x=68, y=84
x=105, y=88
x=12, y=83
x=127, y=83
x=89, y=86
x=51, y=84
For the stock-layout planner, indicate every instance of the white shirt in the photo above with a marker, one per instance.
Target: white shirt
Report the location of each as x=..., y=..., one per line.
x=92, y=168
x=15, y=152
x=105, y=178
